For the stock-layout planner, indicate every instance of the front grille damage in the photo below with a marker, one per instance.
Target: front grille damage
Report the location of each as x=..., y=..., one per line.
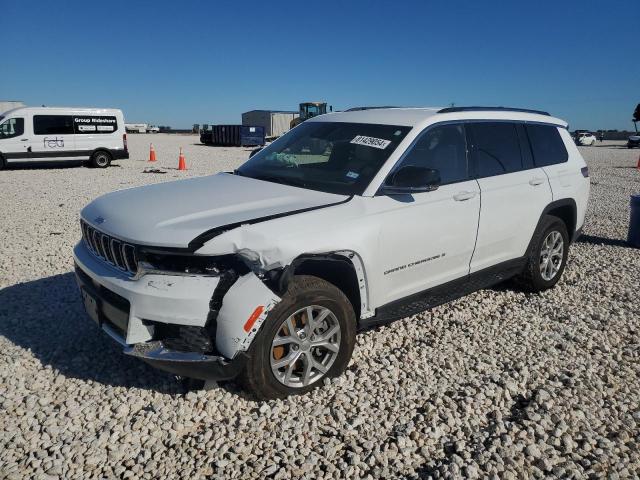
x=135, y=261
x=115, y=252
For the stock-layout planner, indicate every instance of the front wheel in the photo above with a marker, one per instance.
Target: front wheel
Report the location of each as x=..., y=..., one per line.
x=548, y=255
x=101, y=159
x=307, y=337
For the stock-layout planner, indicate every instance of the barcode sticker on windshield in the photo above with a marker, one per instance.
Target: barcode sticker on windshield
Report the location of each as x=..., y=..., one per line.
x=371, y=142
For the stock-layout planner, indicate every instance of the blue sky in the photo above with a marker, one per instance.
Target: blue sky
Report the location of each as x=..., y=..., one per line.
x=183, y=62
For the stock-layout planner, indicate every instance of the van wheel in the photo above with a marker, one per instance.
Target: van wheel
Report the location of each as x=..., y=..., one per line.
x=548, y=256
x=2, y=163
x=307, y=337
x=101, y=159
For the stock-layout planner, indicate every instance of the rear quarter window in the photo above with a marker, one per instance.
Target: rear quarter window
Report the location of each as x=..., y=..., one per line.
x=547, y=145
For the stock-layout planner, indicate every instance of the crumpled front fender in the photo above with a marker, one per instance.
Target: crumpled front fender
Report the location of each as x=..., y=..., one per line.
x=244, y=309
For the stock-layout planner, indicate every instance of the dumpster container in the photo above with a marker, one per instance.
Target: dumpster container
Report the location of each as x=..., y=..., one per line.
x=634, y=222
x=237, y=135
x=205, y=134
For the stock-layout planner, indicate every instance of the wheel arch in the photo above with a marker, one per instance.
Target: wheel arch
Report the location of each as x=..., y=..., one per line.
x=342, y=268
x=101, y=149
x=566, y=210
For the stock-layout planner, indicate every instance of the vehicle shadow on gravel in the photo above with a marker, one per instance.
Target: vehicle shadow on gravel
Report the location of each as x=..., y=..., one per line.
x=46, y=317
x=52, y=165
x=595, y=240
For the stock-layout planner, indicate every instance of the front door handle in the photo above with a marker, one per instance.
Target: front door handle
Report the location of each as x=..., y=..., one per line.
x=24, y=139
x=534, y=182
x=462, y=196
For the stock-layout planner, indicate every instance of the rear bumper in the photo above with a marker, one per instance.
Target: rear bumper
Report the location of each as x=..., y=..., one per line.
x=132, y=311
x=119, y=154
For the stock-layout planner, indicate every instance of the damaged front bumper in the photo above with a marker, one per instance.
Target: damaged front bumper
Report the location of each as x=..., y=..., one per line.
x=166, y=321
x=187, y=364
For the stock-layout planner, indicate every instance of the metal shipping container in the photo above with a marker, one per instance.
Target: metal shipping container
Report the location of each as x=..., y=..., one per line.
x=275, y=122
x=236, y=135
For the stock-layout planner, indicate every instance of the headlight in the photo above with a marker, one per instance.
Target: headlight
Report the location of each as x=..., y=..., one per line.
x=170, y=263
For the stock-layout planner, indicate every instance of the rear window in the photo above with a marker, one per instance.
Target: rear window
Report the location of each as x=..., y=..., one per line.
x=91, y=124
x=52, y=125
x=547, y=145
x=496, y=148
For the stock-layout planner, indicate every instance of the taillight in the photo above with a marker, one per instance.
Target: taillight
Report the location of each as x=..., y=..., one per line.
x=585, y=172
x=124, y=142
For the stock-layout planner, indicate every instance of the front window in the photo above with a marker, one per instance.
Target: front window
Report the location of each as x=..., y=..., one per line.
x=313, y=110
x=442, y=148
x=12, y=127
x=332, y=157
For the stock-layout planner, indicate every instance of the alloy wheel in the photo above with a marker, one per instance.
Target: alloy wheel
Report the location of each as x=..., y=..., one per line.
x=551, y=255
x=305, y=346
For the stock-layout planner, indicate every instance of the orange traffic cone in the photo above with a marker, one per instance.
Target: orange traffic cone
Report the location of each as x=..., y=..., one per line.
x=181, y=163
x=152, y=153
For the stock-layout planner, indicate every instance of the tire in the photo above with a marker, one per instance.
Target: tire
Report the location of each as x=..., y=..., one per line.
x=101, y=159
x=3, y=163
x=263, y=378
x=532, y=278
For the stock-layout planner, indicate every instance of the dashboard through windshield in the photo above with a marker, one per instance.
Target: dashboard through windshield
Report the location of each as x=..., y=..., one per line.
x=333, y=157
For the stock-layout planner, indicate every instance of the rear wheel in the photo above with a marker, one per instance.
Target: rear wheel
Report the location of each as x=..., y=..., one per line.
x=101, y=159
x=2, y=162
x=307, y=337
x=548, y=255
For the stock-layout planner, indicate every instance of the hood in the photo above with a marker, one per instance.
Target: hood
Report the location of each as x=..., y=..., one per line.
x=173, y=214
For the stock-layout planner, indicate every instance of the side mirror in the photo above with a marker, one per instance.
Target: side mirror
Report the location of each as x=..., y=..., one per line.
x=254, y=151
x=411, y=179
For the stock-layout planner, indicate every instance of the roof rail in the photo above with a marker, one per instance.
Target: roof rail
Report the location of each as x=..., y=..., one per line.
x=357, y=109
x=491, y=109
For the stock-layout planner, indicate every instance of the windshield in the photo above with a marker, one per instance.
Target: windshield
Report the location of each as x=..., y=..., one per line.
x=332, y=157
x=312, y=110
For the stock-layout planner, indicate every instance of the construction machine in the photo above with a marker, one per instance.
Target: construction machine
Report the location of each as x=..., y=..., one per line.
x=309, y=110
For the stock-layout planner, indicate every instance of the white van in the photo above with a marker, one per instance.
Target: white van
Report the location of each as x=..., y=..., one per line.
x=56, y=133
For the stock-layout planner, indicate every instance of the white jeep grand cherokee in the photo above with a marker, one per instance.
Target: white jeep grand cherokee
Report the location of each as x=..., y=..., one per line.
x=349, y=221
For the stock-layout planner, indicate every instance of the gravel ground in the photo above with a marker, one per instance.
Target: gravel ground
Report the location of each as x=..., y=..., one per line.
x=498, y=384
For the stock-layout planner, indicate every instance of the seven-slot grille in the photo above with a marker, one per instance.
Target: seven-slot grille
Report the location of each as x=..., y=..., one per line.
x=115, y=252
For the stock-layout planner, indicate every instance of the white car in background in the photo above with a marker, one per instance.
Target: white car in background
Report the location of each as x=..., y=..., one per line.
x=586, y=139
x=268, y=272
x=141, y=128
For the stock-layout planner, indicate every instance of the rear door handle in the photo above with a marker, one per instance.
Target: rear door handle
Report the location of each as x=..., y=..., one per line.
x=24, y=139
x=536, y=181
x=462, y=196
